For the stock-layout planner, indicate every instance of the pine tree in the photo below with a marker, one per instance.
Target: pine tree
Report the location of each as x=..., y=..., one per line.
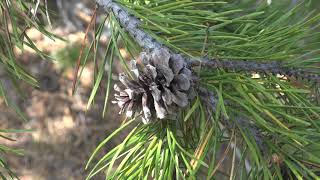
x=242, y=66
x=214, y=90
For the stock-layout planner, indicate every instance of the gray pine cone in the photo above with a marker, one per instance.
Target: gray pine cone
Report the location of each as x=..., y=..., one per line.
x=163, y=84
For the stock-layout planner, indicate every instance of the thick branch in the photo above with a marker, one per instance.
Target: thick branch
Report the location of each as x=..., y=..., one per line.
x=131, y=25
x=273, y=67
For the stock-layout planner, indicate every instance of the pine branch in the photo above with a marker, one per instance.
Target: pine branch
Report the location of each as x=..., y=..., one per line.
x=131, y=25
x=264, y=115
x=273, y=67
x=148, y=43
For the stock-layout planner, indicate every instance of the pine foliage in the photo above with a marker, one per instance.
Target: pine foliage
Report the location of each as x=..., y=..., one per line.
x=258, y=106
x=255, y=75
x=16, y=17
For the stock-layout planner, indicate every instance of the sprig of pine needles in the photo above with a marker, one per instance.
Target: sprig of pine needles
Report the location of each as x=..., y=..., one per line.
x=194, y=146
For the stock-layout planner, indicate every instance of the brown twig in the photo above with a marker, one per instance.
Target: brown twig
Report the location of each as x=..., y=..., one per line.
x=83, y=45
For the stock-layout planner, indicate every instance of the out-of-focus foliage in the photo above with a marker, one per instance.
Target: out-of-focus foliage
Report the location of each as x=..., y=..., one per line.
x=16, y=17
x=67, y=57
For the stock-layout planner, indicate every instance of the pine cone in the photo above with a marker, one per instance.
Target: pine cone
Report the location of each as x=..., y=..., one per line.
x=163, y=85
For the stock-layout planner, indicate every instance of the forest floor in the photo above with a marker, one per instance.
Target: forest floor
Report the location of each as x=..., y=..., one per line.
x=64, y=133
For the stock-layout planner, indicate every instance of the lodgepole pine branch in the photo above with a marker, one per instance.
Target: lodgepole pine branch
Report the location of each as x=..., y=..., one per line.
x=131, y=25
x=148, y=43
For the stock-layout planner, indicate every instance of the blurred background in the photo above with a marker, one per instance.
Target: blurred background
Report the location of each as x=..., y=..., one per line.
x=64, y=133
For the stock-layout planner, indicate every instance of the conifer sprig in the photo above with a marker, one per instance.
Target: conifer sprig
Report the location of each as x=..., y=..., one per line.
x=260, y=120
